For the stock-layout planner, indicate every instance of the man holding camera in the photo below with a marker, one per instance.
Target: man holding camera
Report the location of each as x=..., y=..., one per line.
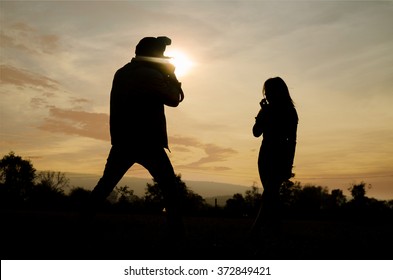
x=139, y=92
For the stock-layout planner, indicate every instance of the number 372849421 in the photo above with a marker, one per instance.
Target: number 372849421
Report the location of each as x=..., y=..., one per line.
x=230, y=270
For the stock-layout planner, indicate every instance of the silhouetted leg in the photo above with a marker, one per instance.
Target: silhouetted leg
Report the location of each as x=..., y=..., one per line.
x=156, y=161
x=269, y=211
x=270, y=202
x=119, y=161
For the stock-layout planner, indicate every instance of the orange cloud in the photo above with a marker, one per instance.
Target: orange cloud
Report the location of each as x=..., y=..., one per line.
x=24, y=78
x=92, y=125
x=24, y=37
x=214, y=153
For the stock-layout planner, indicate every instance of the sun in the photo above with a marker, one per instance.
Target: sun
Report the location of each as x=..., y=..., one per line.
x=181, y=62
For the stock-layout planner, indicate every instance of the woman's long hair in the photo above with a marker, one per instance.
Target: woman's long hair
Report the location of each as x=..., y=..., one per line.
x=276, y=91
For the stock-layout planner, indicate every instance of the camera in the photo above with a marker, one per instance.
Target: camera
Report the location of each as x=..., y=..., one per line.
x=152, y=46
x=164, y=41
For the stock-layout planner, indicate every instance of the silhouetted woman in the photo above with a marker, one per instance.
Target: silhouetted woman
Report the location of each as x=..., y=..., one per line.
x=277, y=122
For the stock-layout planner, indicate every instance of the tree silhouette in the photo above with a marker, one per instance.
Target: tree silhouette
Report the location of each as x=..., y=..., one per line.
x=154, y=200
x=48, y=193
x=191, y=201
x=236, y=205
x=55, y=181
x=17, y=179
x=358, y=191
x=311, y=200
x=127, y=200
x=252, y=201
x=338, y=197
x=78, y=197
x=361, y=207
x=289, y=193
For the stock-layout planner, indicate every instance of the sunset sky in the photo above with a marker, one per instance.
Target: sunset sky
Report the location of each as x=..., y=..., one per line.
x=58, y=59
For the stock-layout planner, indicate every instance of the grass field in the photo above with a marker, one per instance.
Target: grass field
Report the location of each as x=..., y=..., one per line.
x=45, y=235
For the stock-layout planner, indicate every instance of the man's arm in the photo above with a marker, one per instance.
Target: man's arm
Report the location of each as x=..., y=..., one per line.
x=167, y=89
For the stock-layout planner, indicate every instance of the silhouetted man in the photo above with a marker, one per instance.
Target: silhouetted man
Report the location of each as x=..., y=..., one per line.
x=138, y=131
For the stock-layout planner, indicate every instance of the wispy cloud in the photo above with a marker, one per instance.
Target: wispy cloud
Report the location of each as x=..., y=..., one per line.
x=24, y=37
x=24, y=78
x=71, y=122
x=211, y=153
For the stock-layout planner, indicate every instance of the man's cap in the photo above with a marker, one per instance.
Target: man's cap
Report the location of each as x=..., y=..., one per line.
x=152, y=46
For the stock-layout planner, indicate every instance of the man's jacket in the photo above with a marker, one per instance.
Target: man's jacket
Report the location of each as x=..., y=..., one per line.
x=139, y=92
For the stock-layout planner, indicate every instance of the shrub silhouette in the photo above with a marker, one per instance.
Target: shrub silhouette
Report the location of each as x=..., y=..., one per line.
x=21, y=188
x=192, y=202
x=236, y=205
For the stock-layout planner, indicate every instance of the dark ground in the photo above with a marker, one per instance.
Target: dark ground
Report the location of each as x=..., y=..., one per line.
x=46, y=236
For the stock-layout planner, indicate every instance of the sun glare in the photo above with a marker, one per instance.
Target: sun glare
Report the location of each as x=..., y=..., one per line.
x=181, y=61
